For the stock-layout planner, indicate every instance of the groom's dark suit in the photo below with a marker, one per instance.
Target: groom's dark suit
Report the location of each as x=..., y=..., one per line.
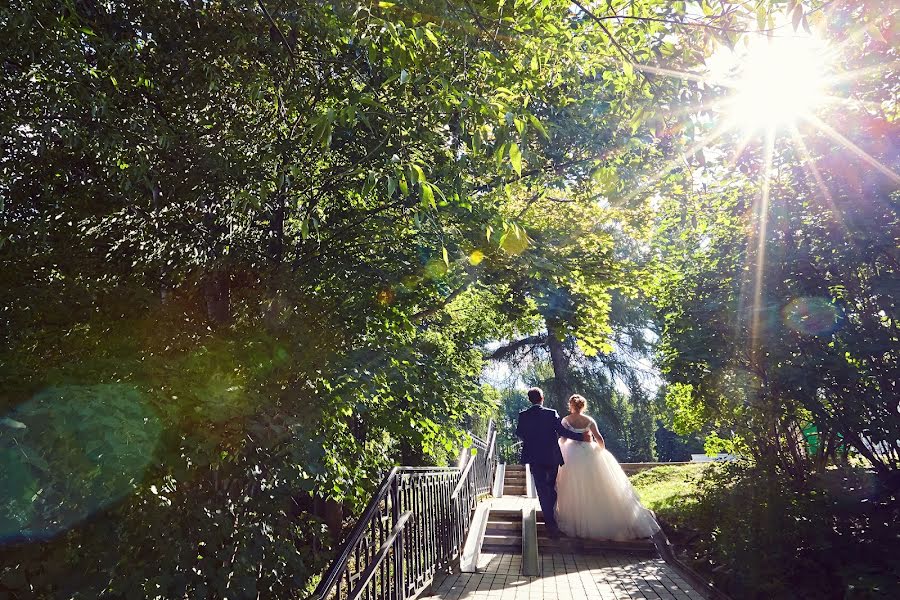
x=540, y=429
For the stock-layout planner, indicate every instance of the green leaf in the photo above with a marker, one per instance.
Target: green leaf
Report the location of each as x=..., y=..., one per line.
x=515, y=158
x=428, y=195
x=445, y=255
x=416, y=173
x=433, y=38
x=391, y=186
x=539, y=126
x=369, y=185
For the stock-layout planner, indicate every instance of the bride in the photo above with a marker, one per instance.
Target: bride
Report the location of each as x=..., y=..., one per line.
x=595, y=498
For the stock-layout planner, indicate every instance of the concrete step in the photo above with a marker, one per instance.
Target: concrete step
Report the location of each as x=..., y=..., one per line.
x=547, y=545
x=504, y=526
x=569, y=544
x=485, y=548
x=576, y=546
x=503, y=538
x=502, y=543
x=505, y=514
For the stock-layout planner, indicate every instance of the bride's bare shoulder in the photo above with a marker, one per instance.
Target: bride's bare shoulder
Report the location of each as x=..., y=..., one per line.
x=577, y=421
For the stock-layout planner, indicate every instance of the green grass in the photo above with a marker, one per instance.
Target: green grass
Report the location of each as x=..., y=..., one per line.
x=664, y=488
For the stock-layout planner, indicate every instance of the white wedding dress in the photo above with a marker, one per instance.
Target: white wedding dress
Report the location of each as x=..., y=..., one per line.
x=595, y=499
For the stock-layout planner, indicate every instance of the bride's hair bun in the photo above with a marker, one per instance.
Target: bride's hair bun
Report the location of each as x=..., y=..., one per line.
x=577, y=401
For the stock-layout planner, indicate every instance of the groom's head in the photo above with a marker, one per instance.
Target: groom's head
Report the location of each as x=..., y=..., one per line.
x=536, y=395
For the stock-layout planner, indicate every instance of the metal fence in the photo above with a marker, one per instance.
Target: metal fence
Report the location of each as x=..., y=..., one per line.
x=510, y=454
x=414, y=526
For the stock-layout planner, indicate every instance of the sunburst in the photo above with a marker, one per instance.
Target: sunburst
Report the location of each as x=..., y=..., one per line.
x=769, y=86
x=777, y=82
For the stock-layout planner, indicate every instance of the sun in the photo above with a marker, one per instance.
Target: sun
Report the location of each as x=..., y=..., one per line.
x=775, y=82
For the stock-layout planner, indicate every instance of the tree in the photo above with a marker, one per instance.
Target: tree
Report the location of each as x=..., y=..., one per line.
x=641, y=424
x=286, y=230
x=773, y=287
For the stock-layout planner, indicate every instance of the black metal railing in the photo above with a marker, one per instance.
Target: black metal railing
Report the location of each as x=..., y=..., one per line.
x=414, y=526
x=510, y=454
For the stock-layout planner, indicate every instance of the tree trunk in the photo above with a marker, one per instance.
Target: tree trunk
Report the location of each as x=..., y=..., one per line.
x=562, y=388
x=276, y=230
x=217, y=292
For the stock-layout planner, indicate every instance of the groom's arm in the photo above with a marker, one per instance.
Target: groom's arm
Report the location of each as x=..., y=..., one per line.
x=563, y=431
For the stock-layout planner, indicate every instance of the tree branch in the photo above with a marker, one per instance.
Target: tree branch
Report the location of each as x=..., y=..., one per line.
x=510, y=349
x=274, y=25
x=627, y=54
x=423, y=314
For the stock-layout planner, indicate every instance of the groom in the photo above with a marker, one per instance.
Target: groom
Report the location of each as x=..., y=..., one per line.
x=540, y=429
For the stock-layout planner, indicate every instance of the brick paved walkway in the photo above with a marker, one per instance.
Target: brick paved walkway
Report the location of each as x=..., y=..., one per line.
x=607, y=576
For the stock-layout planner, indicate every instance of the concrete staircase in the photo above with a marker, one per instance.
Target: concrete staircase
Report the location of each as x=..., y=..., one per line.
x=503, y=533
x=514, y=481
x=567, y=545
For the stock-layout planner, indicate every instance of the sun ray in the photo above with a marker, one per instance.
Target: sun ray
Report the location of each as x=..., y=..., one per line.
x=739, y=149
x=852, y=102
x=762, y=218
x=698, y=77
x=854, y=74
x=836, y=136
x=674, y=163
x=714, y=105
x=809, y=163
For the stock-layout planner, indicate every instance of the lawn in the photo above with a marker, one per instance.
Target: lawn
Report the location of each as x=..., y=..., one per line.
x=662, y=489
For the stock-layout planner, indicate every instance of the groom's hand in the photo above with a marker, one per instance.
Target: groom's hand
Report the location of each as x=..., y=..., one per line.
x=586, y=436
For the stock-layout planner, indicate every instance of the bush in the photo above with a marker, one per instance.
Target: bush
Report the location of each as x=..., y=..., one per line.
x=760, y=534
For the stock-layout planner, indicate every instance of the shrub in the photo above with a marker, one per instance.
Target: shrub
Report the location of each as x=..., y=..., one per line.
x=760, y=534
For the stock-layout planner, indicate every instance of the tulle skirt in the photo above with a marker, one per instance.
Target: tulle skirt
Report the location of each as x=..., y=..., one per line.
x=595, y=499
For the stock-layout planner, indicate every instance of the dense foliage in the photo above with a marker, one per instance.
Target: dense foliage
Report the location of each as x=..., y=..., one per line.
x=253, y=253
x=250, y=253
x=759, y=535
x=778, y=296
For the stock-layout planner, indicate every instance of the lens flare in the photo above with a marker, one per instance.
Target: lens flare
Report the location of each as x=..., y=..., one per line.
x=78, y=450
x=385, y=296
x=813, y=315
x=435, y=268
x=411, y=281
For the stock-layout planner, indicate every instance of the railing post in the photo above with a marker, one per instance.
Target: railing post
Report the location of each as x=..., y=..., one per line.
x=399, y=586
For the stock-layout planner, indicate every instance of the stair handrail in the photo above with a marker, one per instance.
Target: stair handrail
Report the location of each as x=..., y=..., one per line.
x=331, y=576
x=451, y=525
x=463, y=477
x=367, y=575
